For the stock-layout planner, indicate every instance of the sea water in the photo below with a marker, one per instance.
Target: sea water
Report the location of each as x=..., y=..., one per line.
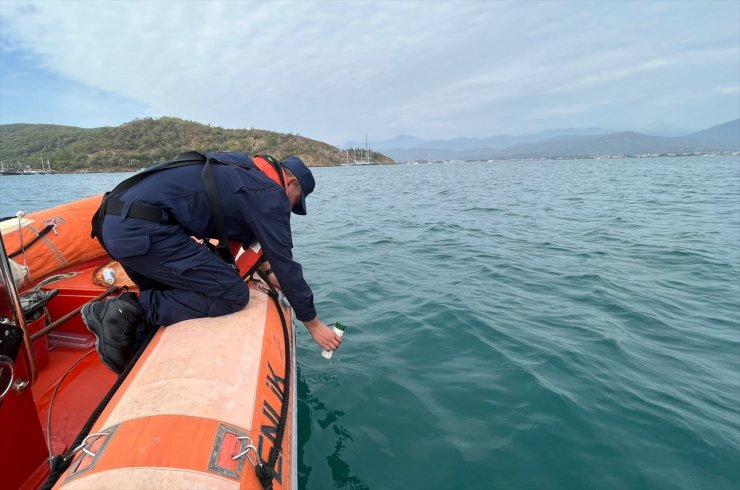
x=523, y=325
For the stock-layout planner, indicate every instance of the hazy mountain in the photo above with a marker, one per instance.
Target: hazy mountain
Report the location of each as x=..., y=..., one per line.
x=406, y=142
x=622, y=143
x=724, y=137
x=423, y=154
x=400, y=141
x=662, y=128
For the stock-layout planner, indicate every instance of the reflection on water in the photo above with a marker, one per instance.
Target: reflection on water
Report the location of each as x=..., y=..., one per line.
x=312, y=411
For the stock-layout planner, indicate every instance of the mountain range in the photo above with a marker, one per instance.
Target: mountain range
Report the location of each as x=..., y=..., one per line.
x=561, y=143
x=139, y=143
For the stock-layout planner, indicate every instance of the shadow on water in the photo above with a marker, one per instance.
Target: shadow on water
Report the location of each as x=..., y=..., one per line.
x=312, y=411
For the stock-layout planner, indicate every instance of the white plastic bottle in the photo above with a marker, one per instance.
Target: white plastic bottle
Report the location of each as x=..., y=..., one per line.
x=339, y=330
x=109, y=275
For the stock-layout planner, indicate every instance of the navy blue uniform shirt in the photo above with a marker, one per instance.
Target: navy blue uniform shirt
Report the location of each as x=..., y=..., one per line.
x=254, y=207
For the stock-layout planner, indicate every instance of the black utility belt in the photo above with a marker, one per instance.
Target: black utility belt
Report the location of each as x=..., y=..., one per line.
x=139, y=210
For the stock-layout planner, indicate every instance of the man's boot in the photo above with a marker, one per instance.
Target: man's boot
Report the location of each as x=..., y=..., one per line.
x=114, y=322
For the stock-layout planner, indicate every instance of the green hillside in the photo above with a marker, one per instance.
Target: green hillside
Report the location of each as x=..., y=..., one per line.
x=141, y=142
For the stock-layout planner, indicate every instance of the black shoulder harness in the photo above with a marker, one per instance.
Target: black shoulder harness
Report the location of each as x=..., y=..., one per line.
x=182, y=160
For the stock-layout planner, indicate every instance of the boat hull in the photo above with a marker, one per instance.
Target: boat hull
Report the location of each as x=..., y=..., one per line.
x=202, y=404
x=198, y=387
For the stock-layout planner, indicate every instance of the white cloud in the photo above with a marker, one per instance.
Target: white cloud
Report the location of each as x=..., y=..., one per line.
x=332, y=70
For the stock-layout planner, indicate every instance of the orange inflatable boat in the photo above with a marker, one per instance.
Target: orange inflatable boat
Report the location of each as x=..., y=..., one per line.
x=209, y=403
x=53, y=239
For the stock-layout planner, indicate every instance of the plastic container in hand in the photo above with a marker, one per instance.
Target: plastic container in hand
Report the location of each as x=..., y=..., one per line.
x=339, y=330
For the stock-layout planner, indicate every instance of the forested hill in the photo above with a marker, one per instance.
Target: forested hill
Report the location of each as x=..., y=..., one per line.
x=142, y=142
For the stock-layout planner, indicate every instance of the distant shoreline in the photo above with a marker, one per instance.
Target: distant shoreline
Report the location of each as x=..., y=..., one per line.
x=495, y=160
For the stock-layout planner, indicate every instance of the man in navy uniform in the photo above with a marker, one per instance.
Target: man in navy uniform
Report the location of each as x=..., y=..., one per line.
x=149, y=227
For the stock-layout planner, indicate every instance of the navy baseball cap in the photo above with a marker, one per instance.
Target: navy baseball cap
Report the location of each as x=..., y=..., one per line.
x=304, y=176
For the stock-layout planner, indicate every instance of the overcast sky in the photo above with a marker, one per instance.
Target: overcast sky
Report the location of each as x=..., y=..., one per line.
x=336, y=70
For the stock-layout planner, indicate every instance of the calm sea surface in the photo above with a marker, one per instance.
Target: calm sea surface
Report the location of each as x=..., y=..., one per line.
x=517, y=325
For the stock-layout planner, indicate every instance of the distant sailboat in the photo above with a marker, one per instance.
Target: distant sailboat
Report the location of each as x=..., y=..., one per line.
x=367, y=152
x=360, y=156
x=45, y=169
x=10, y=169
x=366, y=161
x=48, y=169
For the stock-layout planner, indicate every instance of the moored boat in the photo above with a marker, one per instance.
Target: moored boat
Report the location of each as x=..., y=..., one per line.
x=207, y=403
x=10, y=169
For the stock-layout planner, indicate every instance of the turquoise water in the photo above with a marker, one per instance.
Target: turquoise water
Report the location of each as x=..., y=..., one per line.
x=523, y=325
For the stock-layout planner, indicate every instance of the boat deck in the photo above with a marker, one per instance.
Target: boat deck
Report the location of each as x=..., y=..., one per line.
x=70, y=371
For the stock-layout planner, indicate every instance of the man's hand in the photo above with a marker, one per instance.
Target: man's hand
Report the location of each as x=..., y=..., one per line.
x=323, y=335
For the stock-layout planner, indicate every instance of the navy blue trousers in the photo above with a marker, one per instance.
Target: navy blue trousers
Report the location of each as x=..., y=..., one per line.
x=179, y=279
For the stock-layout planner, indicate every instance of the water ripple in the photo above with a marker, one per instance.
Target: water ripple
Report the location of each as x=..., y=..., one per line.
x=558, y=325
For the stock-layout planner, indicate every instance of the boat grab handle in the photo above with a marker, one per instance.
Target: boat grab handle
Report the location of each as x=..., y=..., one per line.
x=83, y=445
x=245, y=451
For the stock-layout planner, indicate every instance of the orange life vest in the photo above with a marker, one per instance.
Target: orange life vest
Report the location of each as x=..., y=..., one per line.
x=270, y=167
